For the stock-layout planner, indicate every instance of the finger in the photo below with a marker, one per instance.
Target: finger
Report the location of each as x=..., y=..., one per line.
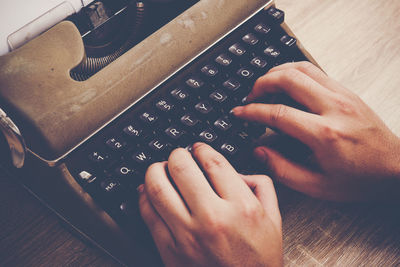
x=314, y=72
x=158, y=229
x=299, y=124
x=164, y=198
x=263, y=188
x=190, y=180
x=224, y=178
x=297, y=85
x=289, y=173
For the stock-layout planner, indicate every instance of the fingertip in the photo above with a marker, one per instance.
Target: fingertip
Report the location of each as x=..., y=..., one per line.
x=177, y=154
x=261, y=153
x=197, y=145
x=153, y=172
x=178, y=150
x=247, y=111
x=264, y=190
x=140, y=189
x=237, y=111
x=250, y=99
x=253, y=180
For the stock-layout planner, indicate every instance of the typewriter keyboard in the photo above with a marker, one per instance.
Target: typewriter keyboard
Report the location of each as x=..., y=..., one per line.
x=191, y=106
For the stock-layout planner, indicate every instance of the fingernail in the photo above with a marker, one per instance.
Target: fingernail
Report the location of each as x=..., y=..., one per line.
x=236, y=111
x=140, y=188
x=189, y=148
x=196, y=145
x=244, y=100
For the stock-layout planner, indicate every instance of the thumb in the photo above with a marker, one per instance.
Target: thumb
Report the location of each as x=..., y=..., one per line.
x=264, y=190
x=289, y=173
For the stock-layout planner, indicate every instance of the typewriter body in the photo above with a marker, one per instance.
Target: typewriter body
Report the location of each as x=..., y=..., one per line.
x=59, y=110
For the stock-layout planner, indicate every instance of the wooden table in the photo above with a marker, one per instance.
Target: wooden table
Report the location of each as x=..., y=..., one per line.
x=356, y=42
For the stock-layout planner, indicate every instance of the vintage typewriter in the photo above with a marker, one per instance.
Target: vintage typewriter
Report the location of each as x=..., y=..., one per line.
x=113, y=86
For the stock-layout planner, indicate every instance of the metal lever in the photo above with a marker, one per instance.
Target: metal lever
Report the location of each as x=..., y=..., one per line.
x=14, y=139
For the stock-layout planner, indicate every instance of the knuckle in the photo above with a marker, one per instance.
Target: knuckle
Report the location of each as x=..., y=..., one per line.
x=214, y=162
x=152, y=171
x=176, y=162
x=305, y=66
x=210, y=158
x=278, y=172
x=259, y=81
x=153, y=187
x=175, y=167
x=261, y=180
x=156, y=191
x=273, y=69
x=250, y=210
x=189, y=244
x=278, y=112
x=330, y=133
x=201, y=148
x=250, y=107
x=291, y=75
x=327, y=132
x=345, y=107
x=265, y=181
x=215, y=225
x=295, y=78
x=153, y=168
x=177, y=154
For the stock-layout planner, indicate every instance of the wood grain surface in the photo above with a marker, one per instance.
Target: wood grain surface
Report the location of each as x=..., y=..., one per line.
x=356, y=42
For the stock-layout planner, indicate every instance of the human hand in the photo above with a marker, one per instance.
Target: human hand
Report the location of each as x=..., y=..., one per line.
x=357, y=157
x=213, y=221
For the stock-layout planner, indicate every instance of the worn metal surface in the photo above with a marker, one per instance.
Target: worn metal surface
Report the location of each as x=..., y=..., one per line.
x=55, y=113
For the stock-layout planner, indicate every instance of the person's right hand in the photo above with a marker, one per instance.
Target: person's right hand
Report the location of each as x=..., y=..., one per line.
x=357, y=156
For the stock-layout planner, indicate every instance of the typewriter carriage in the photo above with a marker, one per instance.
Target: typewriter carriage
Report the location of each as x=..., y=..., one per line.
x=56, y=114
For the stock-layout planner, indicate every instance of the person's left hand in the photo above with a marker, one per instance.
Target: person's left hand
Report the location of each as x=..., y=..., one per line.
x=219, y=221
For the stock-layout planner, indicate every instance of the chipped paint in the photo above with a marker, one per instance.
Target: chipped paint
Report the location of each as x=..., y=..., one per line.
x=74, y=108
x=87, y=96
x=187, y=23
x=165, y=38
x=17, y=65
x=143, y=58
